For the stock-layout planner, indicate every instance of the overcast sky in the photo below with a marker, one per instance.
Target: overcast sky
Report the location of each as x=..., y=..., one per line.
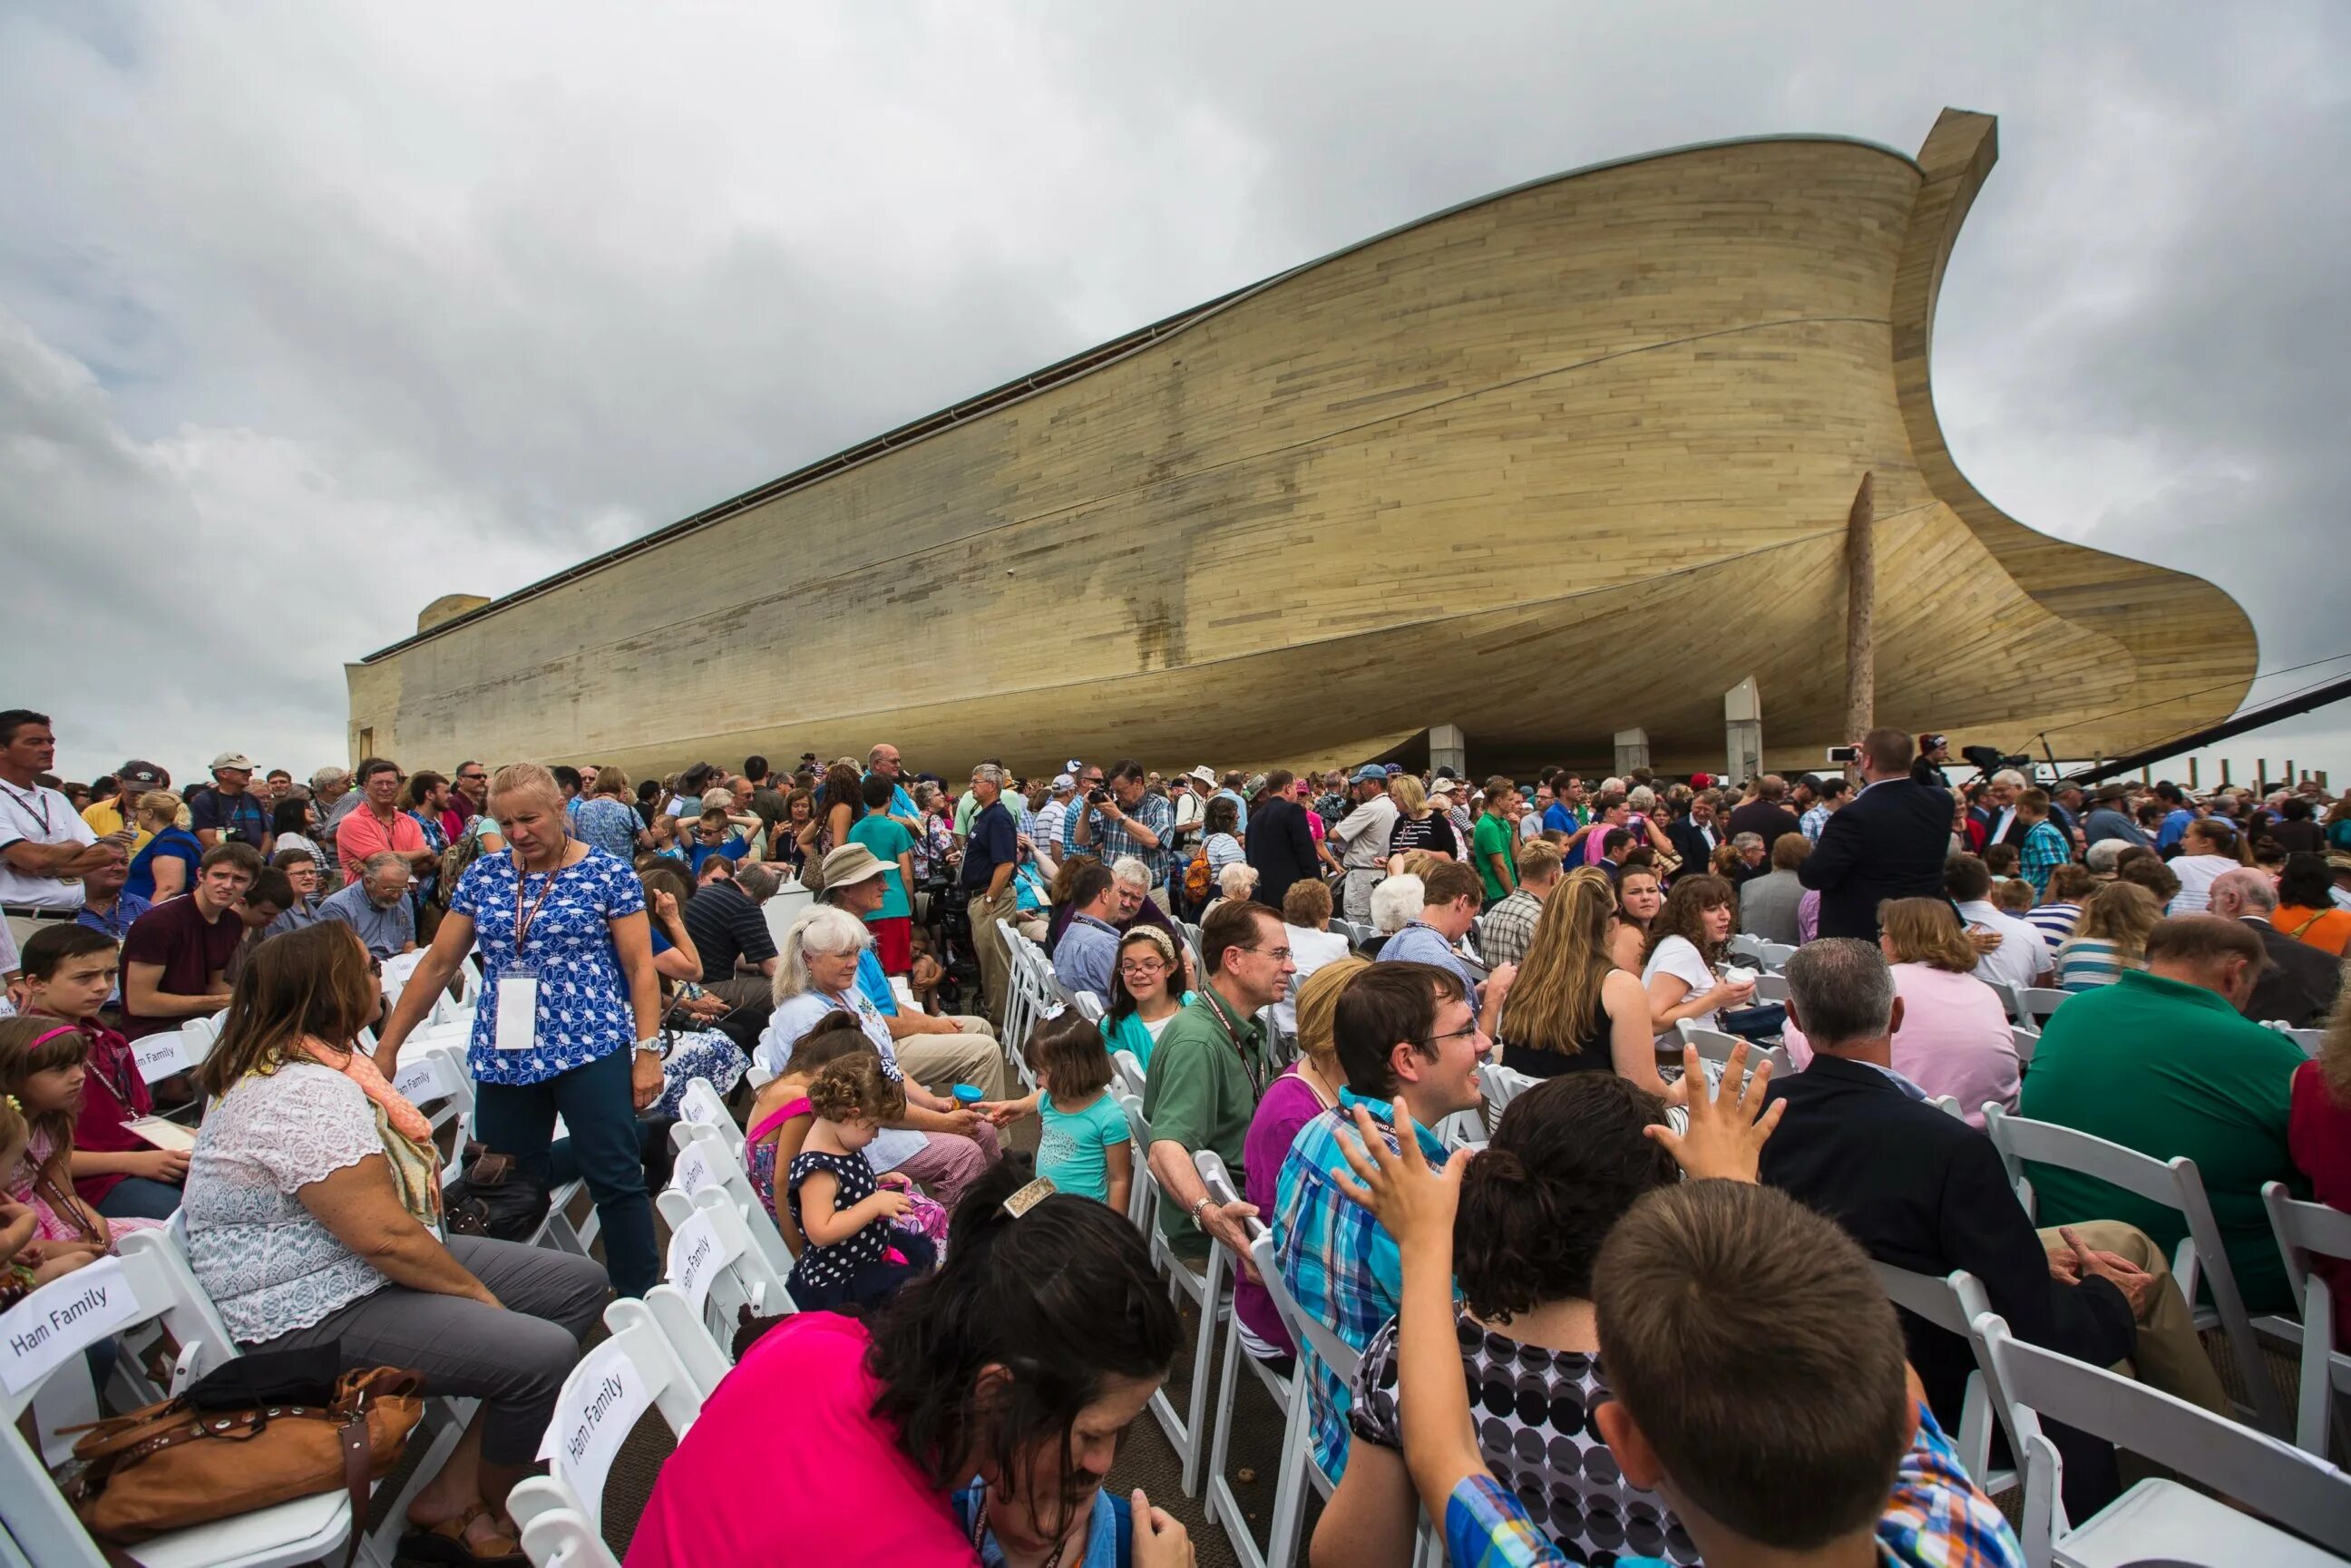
x=310, y=313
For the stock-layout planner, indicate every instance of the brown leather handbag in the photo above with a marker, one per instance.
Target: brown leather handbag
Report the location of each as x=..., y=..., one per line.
x=173, y=1464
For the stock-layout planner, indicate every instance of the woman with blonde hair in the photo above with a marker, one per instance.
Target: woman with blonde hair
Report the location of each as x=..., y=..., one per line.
x=1572, y=1007
x=1418, y=825
x=1951, y=1036
x=165, y=865
x=2111, y=937
x=1310, y=1088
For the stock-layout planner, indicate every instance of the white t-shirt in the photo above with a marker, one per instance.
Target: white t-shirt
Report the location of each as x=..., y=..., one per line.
x=39, y=816
x=1679, y=957
x=1309, y=949
x=2022, y=956
x=2196, y=874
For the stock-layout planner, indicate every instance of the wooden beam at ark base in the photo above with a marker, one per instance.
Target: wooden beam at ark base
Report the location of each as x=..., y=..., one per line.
x=1861, y=615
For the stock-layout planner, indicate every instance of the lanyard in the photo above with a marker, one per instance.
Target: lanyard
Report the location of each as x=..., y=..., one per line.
x=1249, y=1068
x=979, y=1525
x=523, y=917
x=35, y=808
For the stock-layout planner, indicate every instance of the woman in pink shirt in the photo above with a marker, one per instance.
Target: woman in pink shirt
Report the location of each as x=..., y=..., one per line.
x=971, y=1421
x=1954, y=1037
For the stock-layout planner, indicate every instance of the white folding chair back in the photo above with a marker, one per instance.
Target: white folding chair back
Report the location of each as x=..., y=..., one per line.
x=111, y=1298
x=202, y=1032
x=702, y=1106
x=562, y=1539
x=613, y=1385
x=1744, y=945
x=1307, y=1332
x=1952, y=1305
x=1770, y=987
x=758, y=1077
x=159, y=1056
x=2308, y=1039
x=1223, y=1504
x=704, y=1160
x=2161, y=1520
x=1714, y=1046
x=2027, y=1040
x=2307, y=1230
x=1143, y=1199
x=1089, y=1006
x=2035, y=1003
x=2175, y=1183
x=434, y=1079
x=2009, y=1003
x=713, y=1273
x=1126, y=1068
x=1775, y=956
x=1501, y=1085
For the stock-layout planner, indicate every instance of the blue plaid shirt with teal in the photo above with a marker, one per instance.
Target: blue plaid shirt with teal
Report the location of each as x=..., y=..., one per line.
x=2043, y=850
x=1110, y=840
x=1342, y=1268
x=1935, y=1517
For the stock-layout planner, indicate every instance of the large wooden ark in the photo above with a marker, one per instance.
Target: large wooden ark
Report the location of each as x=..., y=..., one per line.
x=1564, y=461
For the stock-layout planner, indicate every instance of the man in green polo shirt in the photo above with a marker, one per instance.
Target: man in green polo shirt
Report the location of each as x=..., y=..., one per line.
x=1207, y=1070
x=2161, y=1062
x=1495, y=839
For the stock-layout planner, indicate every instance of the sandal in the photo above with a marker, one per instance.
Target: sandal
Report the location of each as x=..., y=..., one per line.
x=445, y=1542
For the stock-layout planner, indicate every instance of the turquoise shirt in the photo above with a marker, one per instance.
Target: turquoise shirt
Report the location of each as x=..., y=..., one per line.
x=1129, y=1034
x=888, y=840
x=1073, y=1146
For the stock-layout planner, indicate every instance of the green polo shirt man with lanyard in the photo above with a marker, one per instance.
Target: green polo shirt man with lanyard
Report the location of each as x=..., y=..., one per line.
x=1207, y=1070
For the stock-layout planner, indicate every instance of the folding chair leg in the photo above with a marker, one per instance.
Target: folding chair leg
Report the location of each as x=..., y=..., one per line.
x=1290, y=1480
x=1223, y=1507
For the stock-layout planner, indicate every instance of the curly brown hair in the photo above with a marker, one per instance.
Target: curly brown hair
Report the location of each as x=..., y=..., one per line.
x=1567, y=1159
x=1685, y=905
x=855, y=1086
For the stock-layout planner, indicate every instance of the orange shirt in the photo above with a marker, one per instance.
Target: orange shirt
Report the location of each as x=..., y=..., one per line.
x=360, y=835
x=2326, y=929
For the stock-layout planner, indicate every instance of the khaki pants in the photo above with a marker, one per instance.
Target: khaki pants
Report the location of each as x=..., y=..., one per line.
x=22, y=927
x=1356, y=903
x=2169, y=1357
x=940, y=1062
x=995, y=963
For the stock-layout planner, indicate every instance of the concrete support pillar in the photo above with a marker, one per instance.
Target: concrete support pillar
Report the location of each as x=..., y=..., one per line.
x=1632, y=750
x=1448, y=750
x=1742, y=720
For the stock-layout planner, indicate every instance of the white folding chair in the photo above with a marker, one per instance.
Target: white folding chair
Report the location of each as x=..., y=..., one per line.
x=1952, y=1305
x=1744, y=945
x=703, y=1161
x=2308, y=1039
x=713, y=1273
x=203, y=1033
x=1288, y=1394
x=2306, y=1231
x=1949, y=1105
x=559, y=1538
x=2175, y=1185
x=2009, y=1003
x=2027, y=1040
x=613, y=1385
x=1500, y=1085
x=1126, y=1069
x=1089, y=1006
x=2161, y=1522
x=701, y=1105
x=116, y=1295
x=1770, y=987
x=1209, y=1291
x=2035, y=1003
x=1143, y=1199
x=1775, y=956
x=758, y=1077
x=1714, y=1046
x=1307, y=1332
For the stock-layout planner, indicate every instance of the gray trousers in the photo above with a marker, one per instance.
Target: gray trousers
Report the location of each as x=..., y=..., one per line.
x=513, y=1358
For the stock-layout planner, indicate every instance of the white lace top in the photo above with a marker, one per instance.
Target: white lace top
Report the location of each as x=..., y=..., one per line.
x=259, y=1254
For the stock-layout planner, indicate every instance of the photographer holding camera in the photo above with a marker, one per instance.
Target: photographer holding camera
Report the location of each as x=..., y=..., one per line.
x=1888, y=842
x=1124, y=818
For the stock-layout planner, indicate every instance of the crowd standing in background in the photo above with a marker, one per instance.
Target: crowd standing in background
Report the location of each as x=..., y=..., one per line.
x=1304, y=973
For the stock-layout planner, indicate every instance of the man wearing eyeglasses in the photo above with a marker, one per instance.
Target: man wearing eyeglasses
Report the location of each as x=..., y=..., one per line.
x=1207, y=1073
x=470, y=790
x=1405, y=1036
x=1448, y=913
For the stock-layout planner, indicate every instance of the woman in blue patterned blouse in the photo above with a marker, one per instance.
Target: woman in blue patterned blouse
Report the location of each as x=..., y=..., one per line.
x=561, y=928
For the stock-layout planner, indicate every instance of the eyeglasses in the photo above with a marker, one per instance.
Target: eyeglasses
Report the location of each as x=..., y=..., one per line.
x=1467, y=1031
x=1143, y=967
x=1279, y=955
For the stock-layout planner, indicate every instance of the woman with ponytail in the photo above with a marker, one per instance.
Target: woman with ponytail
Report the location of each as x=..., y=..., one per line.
x=1568, y=1159
x=972, y=1420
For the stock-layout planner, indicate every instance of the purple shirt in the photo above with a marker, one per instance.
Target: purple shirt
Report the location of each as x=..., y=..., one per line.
x=1289, y=1103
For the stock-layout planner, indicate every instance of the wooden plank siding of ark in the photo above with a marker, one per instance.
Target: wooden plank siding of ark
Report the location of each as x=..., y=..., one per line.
x=1570, y=459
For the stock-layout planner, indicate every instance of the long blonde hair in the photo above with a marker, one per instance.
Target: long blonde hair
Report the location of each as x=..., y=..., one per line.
x=1926, y=931
x=1558, y=989
x=2122, y=912
x=1318, y=1010
x=1410, y=798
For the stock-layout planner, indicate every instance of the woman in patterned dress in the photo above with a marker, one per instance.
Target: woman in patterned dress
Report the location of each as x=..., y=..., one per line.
x=561, y=928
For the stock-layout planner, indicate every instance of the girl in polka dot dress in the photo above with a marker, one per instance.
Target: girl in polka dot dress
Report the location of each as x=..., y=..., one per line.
x=853, y=1256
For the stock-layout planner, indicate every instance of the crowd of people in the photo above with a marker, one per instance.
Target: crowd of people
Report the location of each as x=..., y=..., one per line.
x=1309, y=972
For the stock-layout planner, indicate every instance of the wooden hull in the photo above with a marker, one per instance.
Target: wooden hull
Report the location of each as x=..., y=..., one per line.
x=1564, y=461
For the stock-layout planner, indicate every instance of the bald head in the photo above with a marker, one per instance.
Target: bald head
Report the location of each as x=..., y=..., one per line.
x=2236, y=894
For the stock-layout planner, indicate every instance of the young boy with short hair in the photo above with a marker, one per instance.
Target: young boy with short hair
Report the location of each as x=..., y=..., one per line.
x=68, y=973
x=1757, y=1367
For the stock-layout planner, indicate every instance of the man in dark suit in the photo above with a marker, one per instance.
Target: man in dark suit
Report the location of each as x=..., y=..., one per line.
x=1767, y=816
x=1997, y=813
x=1922, y=1190
x=2300, y=985
x=1694, y=837
x=1280, y=844
x=1888, y=842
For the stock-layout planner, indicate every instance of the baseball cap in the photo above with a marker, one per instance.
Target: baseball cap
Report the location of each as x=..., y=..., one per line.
x=1701, y=781
x=1370, y=773
x=1445, y=784
x=1929, y=742
x=145, y=774
x=1204, y=773
x=236, y=760
x=1064, y=781
x=852, y=863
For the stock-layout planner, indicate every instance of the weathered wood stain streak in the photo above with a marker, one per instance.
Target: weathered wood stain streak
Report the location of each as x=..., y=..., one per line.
x=1572, y=458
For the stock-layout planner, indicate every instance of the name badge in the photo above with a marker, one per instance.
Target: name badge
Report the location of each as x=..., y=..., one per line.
x=518, y=1010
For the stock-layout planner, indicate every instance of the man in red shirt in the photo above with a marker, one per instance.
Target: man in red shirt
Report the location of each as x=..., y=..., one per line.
x=377, y=824
x=175, y=957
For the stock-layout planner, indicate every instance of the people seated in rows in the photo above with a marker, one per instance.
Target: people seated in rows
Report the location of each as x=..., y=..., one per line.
x=1572, y=1007
x=1567, y=1159
x=378, y=826
x=2307, y=910
x=70, y=972
x=313, y=1219
x=732, y=940
x=2208, y=847
x=979, y=1409
x=851, y=1253
x=1407, y=1041
x=569, y=1020
x=2020, y=958
x=780, y=1115
x=2069, y=887
x=942, y=1145
x=2299, y=984
x=1681, y=971
x=176, y=955
x=2162, y=1062
x=1147, y=989
x=1449, y=898
x=1083, y=1143
x=1951, y=1035
x=1087, y=952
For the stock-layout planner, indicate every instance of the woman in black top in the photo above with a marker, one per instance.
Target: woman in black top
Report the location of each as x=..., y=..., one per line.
x=1418, y=826
x=1571, y=1009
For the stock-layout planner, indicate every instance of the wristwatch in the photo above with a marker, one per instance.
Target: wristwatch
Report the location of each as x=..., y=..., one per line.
x=656, y=1045
x=1199, y=1203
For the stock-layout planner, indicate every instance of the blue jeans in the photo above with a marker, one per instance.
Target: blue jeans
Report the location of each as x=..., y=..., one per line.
x=599, y=1113
x=140, y=1197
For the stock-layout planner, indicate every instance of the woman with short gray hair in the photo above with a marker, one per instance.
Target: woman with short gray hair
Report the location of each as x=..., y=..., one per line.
x=937, y=1143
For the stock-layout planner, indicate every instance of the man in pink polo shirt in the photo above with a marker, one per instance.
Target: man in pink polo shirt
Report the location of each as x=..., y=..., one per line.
x=377, y=824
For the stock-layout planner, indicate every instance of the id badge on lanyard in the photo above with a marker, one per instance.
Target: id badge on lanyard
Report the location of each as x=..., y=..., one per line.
x=518, y=1006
